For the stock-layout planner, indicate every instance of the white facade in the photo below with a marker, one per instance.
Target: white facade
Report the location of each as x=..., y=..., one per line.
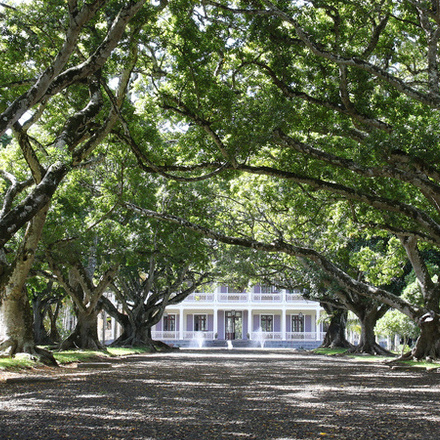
x=262, y=315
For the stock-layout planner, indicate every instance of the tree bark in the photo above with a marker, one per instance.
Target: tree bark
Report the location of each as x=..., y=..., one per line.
x=335, y=335
x=15, y=312
x=78, y=283
x=140, y=338
x=85, y=335
x=427, y=346
x=136, y=330
x=39, y=308
x=137, y=333
x=17, y=329
x=367, y=344
x=54, y=334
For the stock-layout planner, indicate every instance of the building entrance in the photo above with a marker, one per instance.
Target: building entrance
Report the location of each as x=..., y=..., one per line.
x=234, y=325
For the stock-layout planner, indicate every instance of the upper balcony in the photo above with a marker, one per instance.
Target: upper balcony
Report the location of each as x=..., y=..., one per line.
x=255, y=295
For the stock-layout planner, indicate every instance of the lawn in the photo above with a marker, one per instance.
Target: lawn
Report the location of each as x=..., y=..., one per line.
x=66, y=357
x=343, y=352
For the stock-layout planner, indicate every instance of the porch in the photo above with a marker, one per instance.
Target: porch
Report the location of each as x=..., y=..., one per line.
x=253, y=327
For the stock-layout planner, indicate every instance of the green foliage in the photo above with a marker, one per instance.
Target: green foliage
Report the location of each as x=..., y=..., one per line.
x=394, y=322
x=380, y=261
x=322, y=116
x=5, y=140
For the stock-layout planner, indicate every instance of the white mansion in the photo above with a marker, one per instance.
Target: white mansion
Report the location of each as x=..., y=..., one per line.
x=261, y=316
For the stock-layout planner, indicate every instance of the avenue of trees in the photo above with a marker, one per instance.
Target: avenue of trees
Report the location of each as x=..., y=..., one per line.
x=303, y=132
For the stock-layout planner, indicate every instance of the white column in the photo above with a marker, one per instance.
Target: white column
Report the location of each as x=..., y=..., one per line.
x=104, y=325
x=317, y=325
x=283, y=324
x=250, y=323
x=181, y=317
x=215, y=321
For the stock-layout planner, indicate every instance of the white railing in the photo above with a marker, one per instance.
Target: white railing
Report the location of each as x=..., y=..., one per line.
x=305, y=336
x=264, y=336
x=198, y=336
x=244, y=297
x=165, y=335
x=290, y=336
x=293, y=297
x=267, y=297
x=201, y=297
x=233, y=297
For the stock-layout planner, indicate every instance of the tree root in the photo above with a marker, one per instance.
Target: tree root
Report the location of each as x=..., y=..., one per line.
x=9, y=343
x=417, y=355
x=74, y=342
x=337, y=344
x=372, y=349
x=150, y=344
x=11, y=348
x=46, y=357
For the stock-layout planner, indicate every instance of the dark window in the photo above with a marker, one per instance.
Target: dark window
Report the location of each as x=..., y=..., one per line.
x=297, y=323
x=267, y=323
x=169, y=323
x=200, y=323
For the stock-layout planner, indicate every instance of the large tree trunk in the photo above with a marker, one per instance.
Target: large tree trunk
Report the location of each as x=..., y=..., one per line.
x=41, y=336
x=15, y=313
x=367, y=344
x=134, y=336
x=138, y=334
x=427, y=345
x=54, y=333
x=335, y=335
x=85, y=335
x=16, y=329
x=136, y=328
x=16, y=318
x=86, y=297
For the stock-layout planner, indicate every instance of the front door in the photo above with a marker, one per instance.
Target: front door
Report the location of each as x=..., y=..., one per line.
x=234, y=325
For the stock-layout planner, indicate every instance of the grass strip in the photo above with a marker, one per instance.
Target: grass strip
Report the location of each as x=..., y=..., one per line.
x=23, y=362
x=372, y=358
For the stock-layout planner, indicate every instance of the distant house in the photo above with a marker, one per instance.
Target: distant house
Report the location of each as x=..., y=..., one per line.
x=260, y=316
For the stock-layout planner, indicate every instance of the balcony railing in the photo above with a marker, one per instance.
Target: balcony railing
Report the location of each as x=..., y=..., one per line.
x=233, y=297
x=244, y=297
x=267, y=297
x=200, y=297
x=293, y=297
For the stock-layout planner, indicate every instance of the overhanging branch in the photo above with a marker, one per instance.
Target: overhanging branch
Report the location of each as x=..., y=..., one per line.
x=341, y=277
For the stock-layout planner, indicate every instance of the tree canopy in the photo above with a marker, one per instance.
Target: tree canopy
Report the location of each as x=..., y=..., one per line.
x=335, y=106
x=295, y=127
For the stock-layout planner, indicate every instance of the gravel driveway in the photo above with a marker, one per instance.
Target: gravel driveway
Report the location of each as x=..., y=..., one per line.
x=220, y=394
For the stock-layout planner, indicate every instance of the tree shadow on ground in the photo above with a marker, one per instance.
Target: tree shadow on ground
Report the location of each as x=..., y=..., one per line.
x=259, y=394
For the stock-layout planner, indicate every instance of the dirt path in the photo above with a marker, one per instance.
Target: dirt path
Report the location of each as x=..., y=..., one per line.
x=220, y=394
